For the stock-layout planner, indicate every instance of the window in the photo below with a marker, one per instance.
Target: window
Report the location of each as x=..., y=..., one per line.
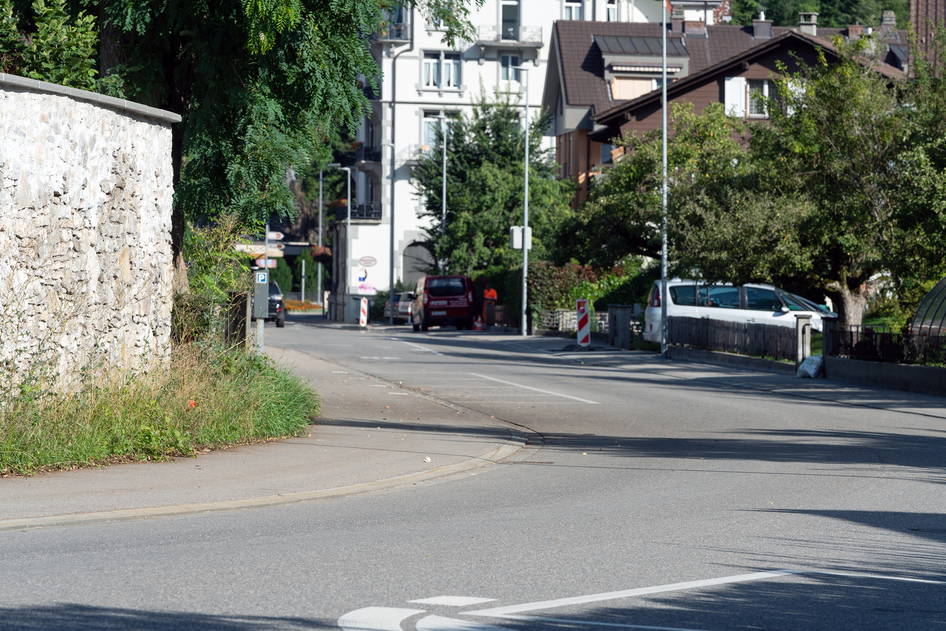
x=683, y=295
x=612, y=11
x=573, y=10
x=762, y=299
x=756, y=101
x=508, y=64
x=431, y=130
x=442, y=70
x=510, y=19
x=723, y=296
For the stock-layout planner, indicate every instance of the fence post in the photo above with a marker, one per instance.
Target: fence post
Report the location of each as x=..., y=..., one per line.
x=802, y=338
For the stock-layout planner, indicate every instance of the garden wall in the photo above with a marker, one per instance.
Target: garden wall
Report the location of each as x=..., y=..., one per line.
x=85, y=243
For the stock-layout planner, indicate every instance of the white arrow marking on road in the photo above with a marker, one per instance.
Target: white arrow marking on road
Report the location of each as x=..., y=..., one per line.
x=376, y=619
x=519, y=385
x=502, y=612
x=439, y=623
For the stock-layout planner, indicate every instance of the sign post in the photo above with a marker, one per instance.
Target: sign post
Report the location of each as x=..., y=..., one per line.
x=584, y=322
x=260, y=304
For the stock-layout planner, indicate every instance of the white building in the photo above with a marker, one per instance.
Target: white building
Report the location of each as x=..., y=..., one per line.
x=424, y=79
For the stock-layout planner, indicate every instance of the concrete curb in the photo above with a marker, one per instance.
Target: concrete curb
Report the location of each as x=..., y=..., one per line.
x=500, y=453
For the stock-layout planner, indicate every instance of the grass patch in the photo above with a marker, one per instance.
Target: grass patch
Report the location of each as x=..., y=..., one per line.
x=206, y=398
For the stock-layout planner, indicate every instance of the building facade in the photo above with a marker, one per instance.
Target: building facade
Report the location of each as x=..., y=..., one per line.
x=424, y=82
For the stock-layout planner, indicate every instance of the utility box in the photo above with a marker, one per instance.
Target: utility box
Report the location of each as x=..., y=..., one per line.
x=261, y=294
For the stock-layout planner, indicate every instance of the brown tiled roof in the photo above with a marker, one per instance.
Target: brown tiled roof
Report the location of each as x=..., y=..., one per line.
x=582, y=64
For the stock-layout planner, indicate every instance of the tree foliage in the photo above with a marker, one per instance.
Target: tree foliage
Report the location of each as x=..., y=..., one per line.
x=485, y=157
x=831, y=13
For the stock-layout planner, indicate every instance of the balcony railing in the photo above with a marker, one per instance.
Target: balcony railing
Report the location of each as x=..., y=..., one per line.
x=366, y=211
x=368, y=154
x=395, y=32
x=509, y=35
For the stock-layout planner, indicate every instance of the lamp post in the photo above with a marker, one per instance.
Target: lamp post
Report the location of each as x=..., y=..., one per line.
x=347, y=171
x=443, y=180
x=525, y=210
x=391, y=253
x=333, y=165
x=663, y=187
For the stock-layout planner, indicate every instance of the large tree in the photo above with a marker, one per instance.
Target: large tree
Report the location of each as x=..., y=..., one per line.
x=485, y=187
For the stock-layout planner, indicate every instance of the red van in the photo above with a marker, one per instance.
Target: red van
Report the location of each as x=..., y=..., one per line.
x=440, y=300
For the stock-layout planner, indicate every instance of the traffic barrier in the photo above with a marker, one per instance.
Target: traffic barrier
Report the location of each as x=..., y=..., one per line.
x=584, y=322
x=363, y=315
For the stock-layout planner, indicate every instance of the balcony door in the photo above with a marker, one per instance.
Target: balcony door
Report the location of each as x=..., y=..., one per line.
x=509, y=19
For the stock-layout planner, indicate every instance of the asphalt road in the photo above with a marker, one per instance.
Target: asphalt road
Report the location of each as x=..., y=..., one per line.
x=650, y=496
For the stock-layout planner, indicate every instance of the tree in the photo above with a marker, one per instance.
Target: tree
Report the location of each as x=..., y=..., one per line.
x=831, y=13
x=485, y=190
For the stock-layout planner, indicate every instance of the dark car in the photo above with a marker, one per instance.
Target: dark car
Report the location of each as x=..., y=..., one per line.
x=440, y=300
x=277, y=308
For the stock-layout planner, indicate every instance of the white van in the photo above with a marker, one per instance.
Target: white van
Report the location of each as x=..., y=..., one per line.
x=752, y=303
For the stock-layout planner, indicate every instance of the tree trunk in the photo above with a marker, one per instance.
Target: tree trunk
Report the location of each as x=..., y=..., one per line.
x=850, y=303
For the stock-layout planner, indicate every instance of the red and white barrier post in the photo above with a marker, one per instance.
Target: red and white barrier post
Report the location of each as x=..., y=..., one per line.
x=584, y=322
x=363, y=315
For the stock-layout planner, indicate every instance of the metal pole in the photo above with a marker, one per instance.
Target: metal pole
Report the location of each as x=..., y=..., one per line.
x=347, y=171
x=443, y=180
x=261, y=321
x=318, y=295
x=663, y=187
x=391, y=256
x=525, y=215
x=303, y=281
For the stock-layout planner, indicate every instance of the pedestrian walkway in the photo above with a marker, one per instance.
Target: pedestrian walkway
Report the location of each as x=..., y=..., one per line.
x=372, y=436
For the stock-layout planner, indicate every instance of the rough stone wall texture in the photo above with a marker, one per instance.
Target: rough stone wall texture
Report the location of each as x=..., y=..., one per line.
x=85, y=246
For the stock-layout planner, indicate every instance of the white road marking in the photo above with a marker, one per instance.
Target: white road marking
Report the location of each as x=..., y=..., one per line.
x=502, y=612
x=376, y=619
x=439, y=623
x=518, y=385
x=339, y=372
x=421, y=348
x=586, y=623
x=452, y=601
x=399, y=394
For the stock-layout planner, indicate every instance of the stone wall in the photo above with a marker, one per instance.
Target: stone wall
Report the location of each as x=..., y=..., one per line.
x=85, y=220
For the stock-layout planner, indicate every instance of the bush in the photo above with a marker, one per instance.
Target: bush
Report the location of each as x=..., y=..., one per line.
x=282, y=275
x=207, y=397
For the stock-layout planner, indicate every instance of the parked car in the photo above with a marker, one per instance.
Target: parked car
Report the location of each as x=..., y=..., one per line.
x=402, y=307
x=751, y=303
x=277, y=308
x=442, y=300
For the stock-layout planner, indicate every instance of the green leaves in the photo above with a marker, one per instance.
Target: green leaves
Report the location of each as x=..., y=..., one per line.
x=485, y=187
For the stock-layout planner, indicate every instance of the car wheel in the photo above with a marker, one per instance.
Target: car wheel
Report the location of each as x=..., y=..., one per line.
x=281, y=321
x=416, y=327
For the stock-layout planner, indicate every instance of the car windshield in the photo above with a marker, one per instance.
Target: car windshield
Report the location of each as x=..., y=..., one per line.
x=798, y=303
x=274, y=289
x=446, y=287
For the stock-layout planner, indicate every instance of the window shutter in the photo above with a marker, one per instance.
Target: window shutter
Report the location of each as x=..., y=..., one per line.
x=735, y=95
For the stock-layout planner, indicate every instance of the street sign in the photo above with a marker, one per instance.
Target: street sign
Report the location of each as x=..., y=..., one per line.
x=267, y=263
x=515, y=237
x=367, y=261
x=275, y=236
x=262, y=278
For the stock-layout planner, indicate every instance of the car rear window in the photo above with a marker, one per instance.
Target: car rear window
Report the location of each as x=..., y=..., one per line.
x=446, y=286
x=683, y=295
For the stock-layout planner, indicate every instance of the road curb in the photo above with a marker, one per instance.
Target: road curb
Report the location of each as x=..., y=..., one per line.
x=499, y=453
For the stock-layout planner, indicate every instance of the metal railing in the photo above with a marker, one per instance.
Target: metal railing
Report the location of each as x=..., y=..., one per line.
x=367, y=211
x=395, y=32
x=881, y=344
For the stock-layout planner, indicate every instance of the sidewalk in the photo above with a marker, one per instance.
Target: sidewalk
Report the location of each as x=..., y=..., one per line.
x=372, y=436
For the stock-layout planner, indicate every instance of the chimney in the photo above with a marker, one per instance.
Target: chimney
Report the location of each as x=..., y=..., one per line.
x=808, y=23
x=762, y=28
x=854, y=31
x=695, y=29
x=888, y=21
x=676, y=20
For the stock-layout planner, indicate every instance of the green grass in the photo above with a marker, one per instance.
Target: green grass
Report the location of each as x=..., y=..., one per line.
x=206, y=398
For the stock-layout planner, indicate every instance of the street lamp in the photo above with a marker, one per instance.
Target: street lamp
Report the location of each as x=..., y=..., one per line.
x=347, y=171
x=392, y=239
x=663, y=187
x=525, y=209
x=333, y=165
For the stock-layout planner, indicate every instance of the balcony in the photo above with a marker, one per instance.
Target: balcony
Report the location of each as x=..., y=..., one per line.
x=395, y=33
x=368, y=154
x=509, y=36
x=364, y=212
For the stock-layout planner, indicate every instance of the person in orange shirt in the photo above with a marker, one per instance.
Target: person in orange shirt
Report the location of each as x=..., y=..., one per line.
x=489, y=305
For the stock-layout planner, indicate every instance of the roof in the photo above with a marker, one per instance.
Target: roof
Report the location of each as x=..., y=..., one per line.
x=578, y=48
x=763, y=47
